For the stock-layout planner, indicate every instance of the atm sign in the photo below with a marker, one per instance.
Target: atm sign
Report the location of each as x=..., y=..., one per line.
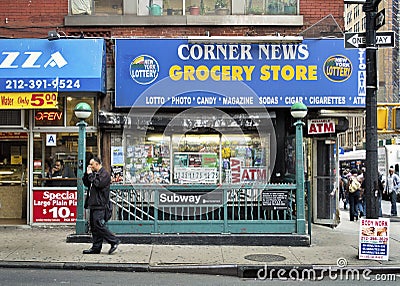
x=321, y=126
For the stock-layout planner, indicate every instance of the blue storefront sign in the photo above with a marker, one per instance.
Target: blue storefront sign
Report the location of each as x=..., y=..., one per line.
x=176, y=73
x=70, y=65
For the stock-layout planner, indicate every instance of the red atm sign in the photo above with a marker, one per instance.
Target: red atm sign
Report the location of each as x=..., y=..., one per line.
x=321, y=126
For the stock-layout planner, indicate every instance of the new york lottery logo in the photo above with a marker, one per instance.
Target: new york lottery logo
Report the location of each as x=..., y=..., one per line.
x=338, y=68
x=144, y=69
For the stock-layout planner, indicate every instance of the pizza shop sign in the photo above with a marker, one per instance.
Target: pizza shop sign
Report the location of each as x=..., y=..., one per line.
x=321, y=126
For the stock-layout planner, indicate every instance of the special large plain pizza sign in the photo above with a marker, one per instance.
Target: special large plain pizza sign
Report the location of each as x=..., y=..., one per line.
x=54, y=206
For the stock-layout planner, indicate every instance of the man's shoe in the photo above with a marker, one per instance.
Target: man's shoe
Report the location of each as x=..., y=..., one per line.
x=91, y=251
x=114, y=247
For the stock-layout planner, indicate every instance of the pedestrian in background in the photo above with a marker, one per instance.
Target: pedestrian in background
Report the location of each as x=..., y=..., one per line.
x=380, y=193
x=361, y=204
x=343, y=186
x=354, y=194
x=98, y=180
x=392, y=187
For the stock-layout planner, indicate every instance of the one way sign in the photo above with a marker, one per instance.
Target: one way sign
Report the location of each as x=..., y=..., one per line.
x=357, y=40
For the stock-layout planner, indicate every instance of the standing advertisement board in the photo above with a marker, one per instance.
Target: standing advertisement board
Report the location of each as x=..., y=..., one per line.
x=374, y=239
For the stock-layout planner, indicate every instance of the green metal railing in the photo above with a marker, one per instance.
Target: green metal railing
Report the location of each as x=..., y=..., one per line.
x=206, y=209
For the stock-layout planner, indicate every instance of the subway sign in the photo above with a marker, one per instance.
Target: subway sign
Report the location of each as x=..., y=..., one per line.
x=319, y=73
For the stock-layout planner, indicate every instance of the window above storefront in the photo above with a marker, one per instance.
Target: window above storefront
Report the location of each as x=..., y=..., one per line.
x=184, y=12
x=11, y=118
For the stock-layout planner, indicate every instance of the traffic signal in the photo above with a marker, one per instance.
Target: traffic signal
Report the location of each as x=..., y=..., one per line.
x=396, y=118
x=383, y=117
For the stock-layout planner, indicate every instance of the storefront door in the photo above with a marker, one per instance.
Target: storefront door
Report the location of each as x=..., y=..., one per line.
x=13, y=179
x=325, y=197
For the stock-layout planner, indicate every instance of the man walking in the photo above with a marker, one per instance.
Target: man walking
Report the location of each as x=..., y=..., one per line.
x=392, y=187
x=98, y=180
x=354, y=194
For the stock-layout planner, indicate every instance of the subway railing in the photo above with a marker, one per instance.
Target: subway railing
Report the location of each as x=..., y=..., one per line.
x=266, y=208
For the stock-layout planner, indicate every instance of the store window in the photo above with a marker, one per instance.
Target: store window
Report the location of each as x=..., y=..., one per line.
x=117, y=160
x=184, y=7
x=72, y=120
x=64, y=114
x=108, y=6
x=13, y=175
x=147, y=160
x=245, y=158
x=11, y=118
x=55, y=142
x=55, y=160
x=195, y=159
x=50, y=117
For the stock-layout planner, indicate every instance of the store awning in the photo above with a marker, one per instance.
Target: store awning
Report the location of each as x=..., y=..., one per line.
x=63, y=65
x=184, y=121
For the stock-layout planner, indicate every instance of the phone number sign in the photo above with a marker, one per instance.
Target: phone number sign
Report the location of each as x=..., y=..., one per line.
x=54, y=206
x=28, y=100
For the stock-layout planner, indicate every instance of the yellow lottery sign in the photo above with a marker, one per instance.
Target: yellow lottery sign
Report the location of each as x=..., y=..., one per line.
x=28, y=100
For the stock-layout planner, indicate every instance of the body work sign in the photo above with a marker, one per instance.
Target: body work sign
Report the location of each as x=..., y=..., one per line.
x=374, y=239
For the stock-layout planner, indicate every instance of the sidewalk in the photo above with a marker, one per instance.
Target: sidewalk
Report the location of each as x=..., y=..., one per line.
x=47, y=248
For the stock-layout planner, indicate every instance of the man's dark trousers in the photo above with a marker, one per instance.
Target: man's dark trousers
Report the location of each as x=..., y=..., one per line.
x=99, y=230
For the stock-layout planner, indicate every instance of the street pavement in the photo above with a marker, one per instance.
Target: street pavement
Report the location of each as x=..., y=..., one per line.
x=46, y=247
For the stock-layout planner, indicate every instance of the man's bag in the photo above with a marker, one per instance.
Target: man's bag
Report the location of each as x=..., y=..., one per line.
x=354, y=185
x=108, y=211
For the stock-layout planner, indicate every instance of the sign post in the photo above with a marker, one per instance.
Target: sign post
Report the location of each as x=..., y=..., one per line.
x=371, y=181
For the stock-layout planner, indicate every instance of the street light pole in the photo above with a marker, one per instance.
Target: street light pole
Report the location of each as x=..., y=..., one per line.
x=299, y=111
x=82, y=111
x=371, y=181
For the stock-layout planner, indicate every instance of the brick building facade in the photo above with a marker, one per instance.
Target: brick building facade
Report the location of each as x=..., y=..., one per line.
x=110, y=20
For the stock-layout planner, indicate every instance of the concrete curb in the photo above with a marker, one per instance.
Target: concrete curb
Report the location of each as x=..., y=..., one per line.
x=123, y=267
x=32, y=264
x=222, y=269
x=205, y=239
